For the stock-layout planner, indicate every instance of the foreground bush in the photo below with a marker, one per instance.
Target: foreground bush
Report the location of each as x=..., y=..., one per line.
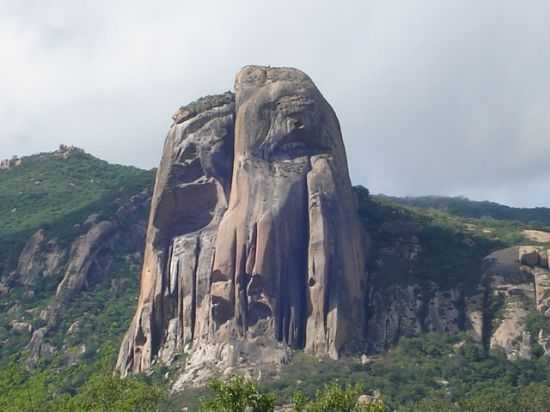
x=237, y=395
x=335, y=398
x=101, y=392
x=241, y=395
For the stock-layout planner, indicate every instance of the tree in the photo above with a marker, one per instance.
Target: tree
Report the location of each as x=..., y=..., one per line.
x=237, y=395
x=107, y=393
x=335, y=398
x=240, y=395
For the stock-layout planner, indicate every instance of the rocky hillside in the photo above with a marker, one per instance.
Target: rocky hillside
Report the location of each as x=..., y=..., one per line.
x=63, y=315
x=433, y=271
x=257, y=257
x=72, y=231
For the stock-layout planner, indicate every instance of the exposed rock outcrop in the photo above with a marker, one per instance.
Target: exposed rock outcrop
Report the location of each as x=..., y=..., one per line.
x=519, y=284
x=7, y=164
x=544, y=341
x=189, y=199
x=511, y=297
x=400, y=303
x=21, y=327
x=86, y=260
x=39, y=348
x=41, y=258
x=65, y=151
x=253, y=238
x=90, y=255
x=409, y=310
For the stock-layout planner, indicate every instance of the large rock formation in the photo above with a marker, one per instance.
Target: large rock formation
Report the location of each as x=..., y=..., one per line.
x=254, y=244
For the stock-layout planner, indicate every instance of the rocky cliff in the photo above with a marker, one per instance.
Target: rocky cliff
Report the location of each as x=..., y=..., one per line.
x=432, y=279
x=254, y=244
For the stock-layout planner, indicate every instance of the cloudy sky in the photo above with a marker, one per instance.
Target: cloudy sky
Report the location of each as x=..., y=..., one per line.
x=434, y=96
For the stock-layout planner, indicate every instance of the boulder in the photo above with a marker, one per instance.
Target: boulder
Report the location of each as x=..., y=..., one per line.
x=21, y=327
x=74, y=328
x=526, y=347
x=544, y=341
x=529, y=255
x=543, y=258
x=369, y=400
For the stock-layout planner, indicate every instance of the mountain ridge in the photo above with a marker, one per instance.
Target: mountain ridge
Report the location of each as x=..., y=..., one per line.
x=462, y=206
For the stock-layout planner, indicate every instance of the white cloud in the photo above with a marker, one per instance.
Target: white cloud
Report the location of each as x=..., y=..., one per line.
x=434, y=97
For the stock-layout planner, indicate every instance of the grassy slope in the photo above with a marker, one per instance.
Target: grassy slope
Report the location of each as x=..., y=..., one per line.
x=54, y=193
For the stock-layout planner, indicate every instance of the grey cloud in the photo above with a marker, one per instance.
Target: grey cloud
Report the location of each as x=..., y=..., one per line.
x=434, y=97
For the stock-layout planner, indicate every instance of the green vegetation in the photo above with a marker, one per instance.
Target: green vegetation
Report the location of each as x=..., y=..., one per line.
x=427, y=373
x=53, y=193
x=430, y=370
x=530, y=398
x=237, y=395
x=207, y=102
x=58, y=194
x=334, y=397
x=81, y=388
x=240, y=395
x=451, y=248
x=466, y=208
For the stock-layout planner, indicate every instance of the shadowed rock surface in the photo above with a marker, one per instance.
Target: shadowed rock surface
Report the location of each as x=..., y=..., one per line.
x=254, y=239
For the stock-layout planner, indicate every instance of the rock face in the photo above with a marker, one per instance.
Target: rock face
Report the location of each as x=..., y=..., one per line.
x=410, y=310
x=400, y=307
x=86, y=260
x=253, y=239
x=511, y=291
x=91, y=254
x=518, y=283
x=41, y=258
x=514, y=283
